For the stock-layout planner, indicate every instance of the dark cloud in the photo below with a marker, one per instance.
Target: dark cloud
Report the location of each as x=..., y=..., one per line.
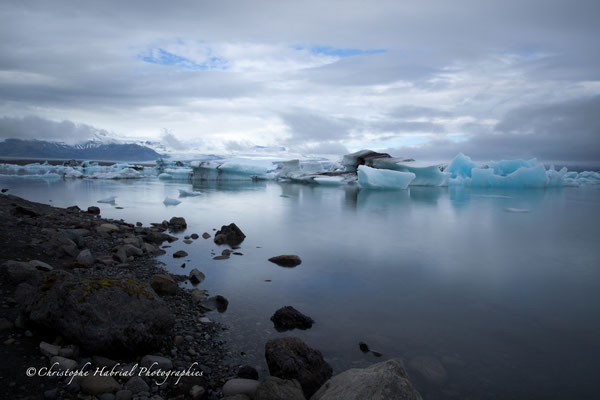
x=32, y=127
x=566, y=131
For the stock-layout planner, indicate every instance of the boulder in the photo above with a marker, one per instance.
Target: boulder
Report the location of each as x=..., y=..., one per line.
x=229, y=234
x=156, y=362
x=136, y=385
x=63, y=364
x=273, y=388
x=286, y=260
x=85, y=257
x=240, y=386
x=217, y=302
x=126, y=315
x=177, y=224
x=158, y=238
x=287, y=318
x=18, y=271
x=381, y=381
x=291, y=358
x=40, y=265
x=93, y=210
x=108, y=228
x=196, y=276
x=196, y=392
x=164, y=284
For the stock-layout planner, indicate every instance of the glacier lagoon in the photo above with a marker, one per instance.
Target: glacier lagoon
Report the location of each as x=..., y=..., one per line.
x=499, y=286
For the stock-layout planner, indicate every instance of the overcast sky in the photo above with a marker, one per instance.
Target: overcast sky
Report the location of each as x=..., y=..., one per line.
x=494, y=79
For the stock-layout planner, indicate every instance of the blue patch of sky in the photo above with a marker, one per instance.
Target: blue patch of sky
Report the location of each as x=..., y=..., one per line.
x=339, y=52
x=163, y=57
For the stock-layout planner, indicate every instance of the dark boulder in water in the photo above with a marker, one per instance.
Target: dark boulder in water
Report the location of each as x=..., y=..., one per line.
x=287, y=318
x=286, y=260
x=229, y=234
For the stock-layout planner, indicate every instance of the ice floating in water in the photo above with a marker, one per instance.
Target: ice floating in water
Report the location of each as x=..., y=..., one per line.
x=187, y=193
x=233, y=169
x=372, y=178
x=164, y=176
x=330, y=180
x=507, y=167
x=461, y=166
x=168, y=201
x=426, y=174
x=517, y=210
x=108, y=200
x=530, y=177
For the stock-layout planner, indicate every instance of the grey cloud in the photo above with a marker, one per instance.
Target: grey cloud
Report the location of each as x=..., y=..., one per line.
x=171, y=140
x=567, y=131
x=32, y=127
x=306, y=125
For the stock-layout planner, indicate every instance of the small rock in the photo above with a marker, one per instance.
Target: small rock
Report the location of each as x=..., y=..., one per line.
x=286, y=260
x=107, y=396
x=206, y=235
x=197, y=392
x=273, y=388
x=363, y=347
x=240, y=386
x=96, y=384
x=247, y=372
x=163, y=363
x=85, y=257
x=188, y=241
x=40, y=265
x=195, y=236
x=108, y=228
x=124, y=395
x=287, y=318
x=180, y=254
x=177, y=223
x=196, y=276
x=136, y=385
x=63, y=364
x=93, y=210
x=229, y=234
x=164, y=284
x=49, y=350
x=6, y=325
x=51, y=394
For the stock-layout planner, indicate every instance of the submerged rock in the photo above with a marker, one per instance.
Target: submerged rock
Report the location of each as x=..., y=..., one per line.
x=229, y=234
x=287, y=318
x=177, y=224
x=286, y=260
x=125, y=314
x=180, y=254
x=196, y=276
x=291, y=358
x=381, y=381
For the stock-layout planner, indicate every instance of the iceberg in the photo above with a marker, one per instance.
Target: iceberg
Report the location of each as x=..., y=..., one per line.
x=108, y=200
x=426, y=174
x=507, y=167
x=71, y=172
x=330, y=180
x=164, y=176
x=168, y=201
x=461, y=166
x=187, y=193
x=350, y=162
x=233, y=169
x=372, y=178
x=524, y=177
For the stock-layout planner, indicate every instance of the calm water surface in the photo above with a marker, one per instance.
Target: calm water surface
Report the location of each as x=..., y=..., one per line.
x=508, y=302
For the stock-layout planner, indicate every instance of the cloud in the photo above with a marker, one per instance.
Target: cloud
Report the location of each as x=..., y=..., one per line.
x=170, y=140
x=565, y=131
x=32, y=127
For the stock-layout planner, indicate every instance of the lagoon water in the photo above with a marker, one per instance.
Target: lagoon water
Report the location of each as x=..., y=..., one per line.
x=500, y=287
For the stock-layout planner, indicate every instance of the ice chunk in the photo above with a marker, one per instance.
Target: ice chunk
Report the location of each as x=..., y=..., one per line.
x=234, y=169
x=187, y=193
x=517, y=210
x=108, y=200
x=182, y=173
x=426, y=174
x=312, y=167
x=372, y=178
x=330, y=180
x=71, y=172
x=164, y=176
x=125, y=173
x=168, y=201
x=362, y=157
x=523, y=177
x=507, y=167
x=461, y=166
x=556, y=178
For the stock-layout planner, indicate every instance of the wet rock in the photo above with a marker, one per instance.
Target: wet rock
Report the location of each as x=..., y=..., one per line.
x=49, y=350
x=93, y=210
x=180, y=254
x=430, y=368
x=126, y=314
x=287, y=318
x=151, y=249
x=85, y=257
x=26, y=211
x=217, y=302
x=198, y=296
x=194, y=236
x=40, y=265
x=229, y=234
x=18, y=271
x=62, y=364
x=240, y=386
x=100, y=362
x=124, y=395
x=247, y=372
x=96, y=384
x=158, y=237
x=381, y=381
x=196, y=276
x=206, y=235
x=177, y=224
x=188, y=241
x=363, y=347
x=273, y=388
x=291, y=358
x=196, y=392
x=107, y=228
x=286, y=260
x=155, y=362
x=164, y=284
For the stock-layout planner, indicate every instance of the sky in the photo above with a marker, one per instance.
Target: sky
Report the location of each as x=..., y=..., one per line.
x=421, y=79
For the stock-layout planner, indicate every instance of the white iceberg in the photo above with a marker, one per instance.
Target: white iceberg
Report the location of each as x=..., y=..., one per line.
x=168, y=201
x=108, y=200
x=330, y=180
x=426, y=174
x=372, y=178
x=233, y=169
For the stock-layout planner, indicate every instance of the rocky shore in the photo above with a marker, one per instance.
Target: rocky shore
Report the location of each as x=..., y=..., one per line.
x=86, y=312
